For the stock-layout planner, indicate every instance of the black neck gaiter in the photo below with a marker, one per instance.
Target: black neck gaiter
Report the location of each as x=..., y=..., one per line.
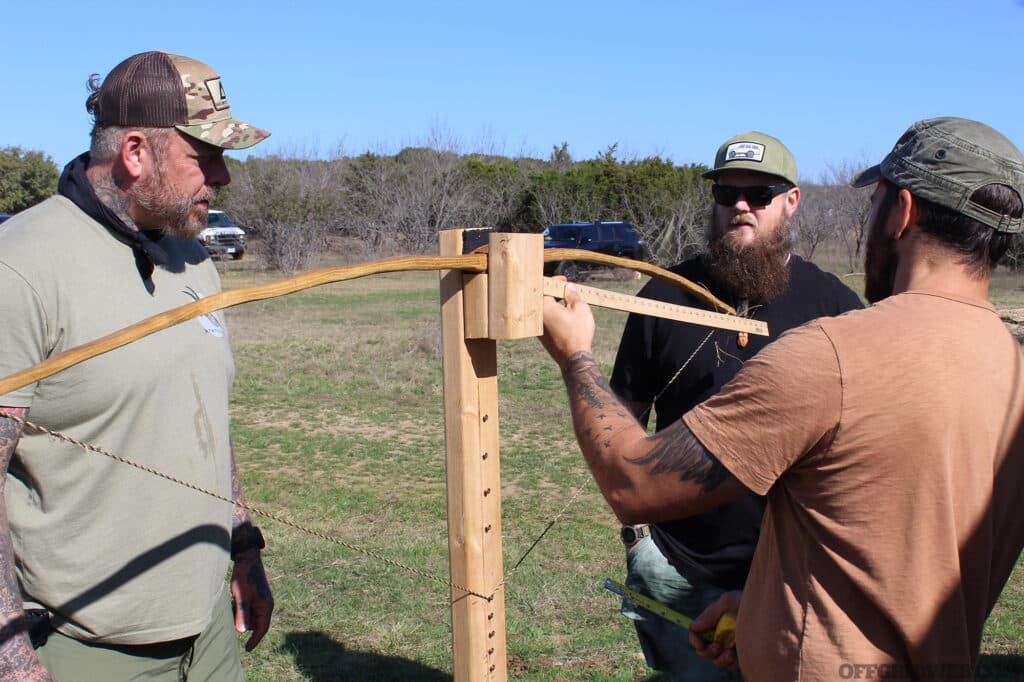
x=145, y=244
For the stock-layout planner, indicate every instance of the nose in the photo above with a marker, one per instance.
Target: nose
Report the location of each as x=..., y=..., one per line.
x=216, y=172
x=742, y=205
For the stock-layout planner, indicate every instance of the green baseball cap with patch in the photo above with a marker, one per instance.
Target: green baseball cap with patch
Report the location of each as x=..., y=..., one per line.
x=163, y=90
x=945, y=160
x=756, y=152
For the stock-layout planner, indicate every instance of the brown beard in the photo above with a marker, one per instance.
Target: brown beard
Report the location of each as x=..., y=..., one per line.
x=758, y=272
x=880, y=259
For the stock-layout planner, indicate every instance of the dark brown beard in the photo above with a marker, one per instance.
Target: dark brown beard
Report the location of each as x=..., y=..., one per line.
x=758, y=272
x=880, y=258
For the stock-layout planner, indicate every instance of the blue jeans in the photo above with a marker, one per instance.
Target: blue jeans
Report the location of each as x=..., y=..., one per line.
x=665, y=644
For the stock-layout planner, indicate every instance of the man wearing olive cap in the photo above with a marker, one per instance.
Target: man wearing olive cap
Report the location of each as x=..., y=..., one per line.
x=108, y=572
x=889, y=441
x=686, y=564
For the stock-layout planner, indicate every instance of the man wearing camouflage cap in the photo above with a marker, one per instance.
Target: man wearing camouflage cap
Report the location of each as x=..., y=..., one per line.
x=108, y=572
x=889, y=441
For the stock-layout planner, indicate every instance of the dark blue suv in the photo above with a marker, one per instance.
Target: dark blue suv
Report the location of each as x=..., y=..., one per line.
x=612, y=238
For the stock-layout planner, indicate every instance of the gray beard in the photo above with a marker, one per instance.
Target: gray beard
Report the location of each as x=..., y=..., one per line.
x=175, y=212
x=758, y=272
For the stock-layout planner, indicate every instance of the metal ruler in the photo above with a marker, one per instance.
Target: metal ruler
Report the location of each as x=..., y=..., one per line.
x=657, y=608
x=724, y=631
x=647, y=306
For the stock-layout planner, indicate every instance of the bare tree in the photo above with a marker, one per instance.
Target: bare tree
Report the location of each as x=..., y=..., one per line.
x=289, y=205
x=849, y=208
x=814, y=219
x=373, y=205
x=684, y=233
x=293, y=247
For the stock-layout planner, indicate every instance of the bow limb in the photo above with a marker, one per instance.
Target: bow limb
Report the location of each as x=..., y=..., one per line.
x=474, y=262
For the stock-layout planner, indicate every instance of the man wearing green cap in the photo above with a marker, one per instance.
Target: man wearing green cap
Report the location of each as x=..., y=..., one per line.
x=687, y=564
x=108, y=572
x=889, y=441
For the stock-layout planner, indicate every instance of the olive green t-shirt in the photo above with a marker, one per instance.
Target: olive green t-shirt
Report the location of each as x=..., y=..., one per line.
x=119, y=555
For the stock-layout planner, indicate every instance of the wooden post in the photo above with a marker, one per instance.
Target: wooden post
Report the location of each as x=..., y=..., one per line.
x=515, y=273
x=473, y=480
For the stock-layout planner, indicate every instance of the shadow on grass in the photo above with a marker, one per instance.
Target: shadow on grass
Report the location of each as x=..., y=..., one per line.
x=321, y=659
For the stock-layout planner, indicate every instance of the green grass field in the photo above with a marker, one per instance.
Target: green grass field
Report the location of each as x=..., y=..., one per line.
x=338, y=427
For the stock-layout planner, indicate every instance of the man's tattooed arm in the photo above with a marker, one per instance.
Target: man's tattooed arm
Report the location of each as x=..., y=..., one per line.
x=239, y=514
x=676, y=449
x=643, y=477
x=18, y=660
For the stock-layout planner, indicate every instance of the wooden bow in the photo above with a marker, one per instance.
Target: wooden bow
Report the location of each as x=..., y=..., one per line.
x=474, y=262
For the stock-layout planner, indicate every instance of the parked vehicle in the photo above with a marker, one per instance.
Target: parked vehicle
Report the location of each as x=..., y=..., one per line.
x=612, y=238
x=4, y=216
x=222, y=237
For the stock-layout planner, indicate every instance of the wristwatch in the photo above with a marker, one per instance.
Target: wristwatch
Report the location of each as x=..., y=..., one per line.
x=244, y=538
x=631, y=534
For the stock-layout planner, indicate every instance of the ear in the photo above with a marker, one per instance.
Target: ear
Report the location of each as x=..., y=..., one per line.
x=792, y=201
x=904, y=213
x=135, y=153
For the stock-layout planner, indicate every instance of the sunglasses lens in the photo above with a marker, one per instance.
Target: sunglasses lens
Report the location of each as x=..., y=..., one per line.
x=725, y=195
x=758, y=196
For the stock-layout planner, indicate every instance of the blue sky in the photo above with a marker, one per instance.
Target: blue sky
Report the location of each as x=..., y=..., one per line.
x=837, y=82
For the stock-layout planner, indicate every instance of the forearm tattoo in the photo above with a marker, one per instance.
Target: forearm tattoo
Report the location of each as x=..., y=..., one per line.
x=584, y=381
x=16, y=655
x=239, y=514
x=675, y=450
x=596, y=401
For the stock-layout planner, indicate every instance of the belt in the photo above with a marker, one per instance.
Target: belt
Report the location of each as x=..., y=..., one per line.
x=633, y=534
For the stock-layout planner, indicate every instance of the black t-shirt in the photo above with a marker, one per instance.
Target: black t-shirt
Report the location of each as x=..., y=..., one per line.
x=717, y=546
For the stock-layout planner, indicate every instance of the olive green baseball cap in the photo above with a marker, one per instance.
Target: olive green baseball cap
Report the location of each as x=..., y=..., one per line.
x=945, y=160
x=756, y=152
x=164, y=90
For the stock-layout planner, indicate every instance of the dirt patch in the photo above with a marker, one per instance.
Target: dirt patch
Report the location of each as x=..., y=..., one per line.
x=337, y=425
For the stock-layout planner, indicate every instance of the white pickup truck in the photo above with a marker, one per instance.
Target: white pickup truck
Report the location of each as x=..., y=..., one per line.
x=222, y=237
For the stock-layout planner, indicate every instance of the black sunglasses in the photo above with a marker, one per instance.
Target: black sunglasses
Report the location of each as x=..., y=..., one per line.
x=758, y=196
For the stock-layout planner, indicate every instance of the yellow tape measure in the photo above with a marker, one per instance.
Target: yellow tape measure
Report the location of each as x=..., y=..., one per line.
x=647, y=306
x=725, y=630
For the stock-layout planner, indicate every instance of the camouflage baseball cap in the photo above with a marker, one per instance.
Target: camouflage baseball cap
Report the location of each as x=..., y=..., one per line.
x=163, y=90
x=757, y=152
x=945, y=160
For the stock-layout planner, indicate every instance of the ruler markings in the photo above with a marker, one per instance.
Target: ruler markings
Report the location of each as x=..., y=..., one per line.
x=646, y=306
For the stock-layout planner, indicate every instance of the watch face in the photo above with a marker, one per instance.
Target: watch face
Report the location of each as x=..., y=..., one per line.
x=628, y=535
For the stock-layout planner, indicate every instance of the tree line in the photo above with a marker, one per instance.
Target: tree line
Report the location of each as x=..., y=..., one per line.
x=396, y=204
x=382, y=205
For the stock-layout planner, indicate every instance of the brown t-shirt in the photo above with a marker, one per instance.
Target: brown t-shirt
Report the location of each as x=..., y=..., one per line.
x=890, y=446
